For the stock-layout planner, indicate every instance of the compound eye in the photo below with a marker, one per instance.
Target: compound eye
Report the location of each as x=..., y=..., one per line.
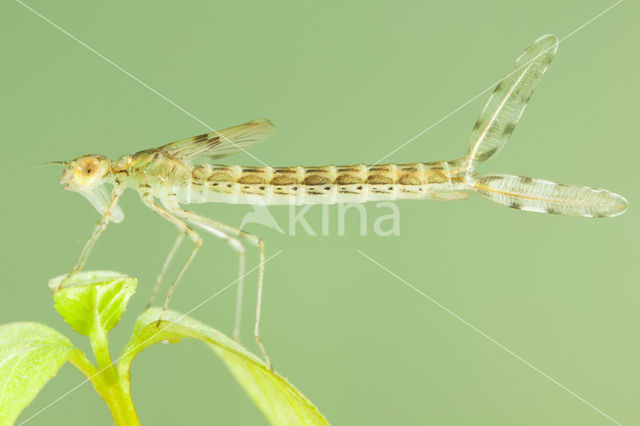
x=86, y=169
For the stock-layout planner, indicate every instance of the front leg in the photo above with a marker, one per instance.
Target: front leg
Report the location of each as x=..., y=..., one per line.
x=97, y=231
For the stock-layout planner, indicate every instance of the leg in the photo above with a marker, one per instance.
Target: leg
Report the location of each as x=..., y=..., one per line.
x=97, y=231
x=239, y=293
x=207, y=223
x=184, y=229
x=167, y=261
x=235, y=245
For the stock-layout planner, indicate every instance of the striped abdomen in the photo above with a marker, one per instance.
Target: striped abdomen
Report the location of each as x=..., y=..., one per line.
x=326, y=184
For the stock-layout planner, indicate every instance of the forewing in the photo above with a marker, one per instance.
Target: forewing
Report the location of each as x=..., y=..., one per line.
x=504, y=108
x=218, y=144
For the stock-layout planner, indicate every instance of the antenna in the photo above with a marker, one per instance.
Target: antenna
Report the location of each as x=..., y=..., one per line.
x=48, y=163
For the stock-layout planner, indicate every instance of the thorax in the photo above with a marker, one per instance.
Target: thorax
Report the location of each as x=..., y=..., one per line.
x=153, y=173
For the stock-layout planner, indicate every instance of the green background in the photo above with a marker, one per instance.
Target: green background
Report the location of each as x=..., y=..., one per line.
x=344, y=82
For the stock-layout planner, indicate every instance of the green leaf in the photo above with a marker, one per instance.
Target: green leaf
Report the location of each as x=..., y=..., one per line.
x=280, y=402
x=93, y=300
x=30, y=355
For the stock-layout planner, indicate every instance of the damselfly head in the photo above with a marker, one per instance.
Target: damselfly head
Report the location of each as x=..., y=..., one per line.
x=85, y=172
x=87, y=176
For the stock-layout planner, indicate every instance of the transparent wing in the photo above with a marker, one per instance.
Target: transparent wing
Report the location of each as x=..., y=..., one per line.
x=504, y=108
x=214, y=145
x=543, y=196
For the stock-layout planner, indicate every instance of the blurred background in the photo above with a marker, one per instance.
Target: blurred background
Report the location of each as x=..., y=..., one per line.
x=344, y=82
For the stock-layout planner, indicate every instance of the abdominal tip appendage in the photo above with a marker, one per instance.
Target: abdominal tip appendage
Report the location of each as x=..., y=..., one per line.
x=622, y=205
x=618, y=206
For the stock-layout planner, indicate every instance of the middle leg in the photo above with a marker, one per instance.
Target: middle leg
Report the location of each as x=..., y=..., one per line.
x=184, y=229
x=165, y=265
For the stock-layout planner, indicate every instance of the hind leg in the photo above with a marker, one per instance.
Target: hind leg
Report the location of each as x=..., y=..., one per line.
x=207, y=223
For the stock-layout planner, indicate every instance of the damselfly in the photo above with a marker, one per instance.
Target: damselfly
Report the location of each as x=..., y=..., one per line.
x=181, y=173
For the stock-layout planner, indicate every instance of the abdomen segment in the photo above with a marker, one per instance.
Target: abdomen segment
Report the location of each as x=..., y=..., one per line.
x=326, y=184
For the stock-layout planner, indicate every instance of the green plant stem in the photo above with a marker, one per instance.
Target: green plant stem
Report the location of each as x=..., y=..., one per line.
x=112, y=385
